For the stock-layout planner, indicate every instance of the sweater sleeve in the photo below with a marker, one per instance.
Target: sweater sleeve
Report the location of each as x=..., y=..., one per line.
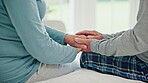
x=56, y=35
x=108, y=36
x=24, y=16
x=131, y=42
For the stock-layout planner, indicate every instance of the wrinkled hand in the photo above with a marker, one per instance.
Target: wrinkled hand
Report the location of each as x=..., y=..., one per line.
x=70, y=39
x=84, y=42
x=91, y=34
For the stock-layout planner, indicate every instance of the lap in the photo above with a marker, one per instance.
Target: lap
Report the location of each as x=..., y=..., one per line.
x=48, y=71
x=117, y=61
x=102, y=60
x=126, y=66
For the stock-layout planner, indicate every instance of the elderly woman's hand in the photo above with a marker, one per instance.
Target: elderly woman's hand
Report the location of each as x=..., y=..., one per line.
x=70, y=39
x=84, y=42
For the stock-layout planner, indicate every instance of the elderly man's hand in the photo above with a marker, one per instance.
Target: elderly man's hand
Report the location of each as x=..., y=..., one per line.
x=70, y=39
x=91, y=34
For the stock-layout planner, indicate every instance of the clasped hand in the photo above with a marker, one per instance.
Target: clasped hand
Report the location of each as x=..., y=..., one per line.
x=83, y=39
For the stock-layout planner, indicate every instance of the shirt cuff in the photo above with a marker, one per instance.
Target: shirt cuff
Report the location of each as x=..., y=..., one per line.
x=94, y=45
x=62, y=37
x=105, y=36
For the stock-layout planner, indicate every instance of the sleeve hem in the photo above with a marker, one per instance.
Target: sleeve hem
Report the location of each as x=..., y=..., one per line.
x=92, y=45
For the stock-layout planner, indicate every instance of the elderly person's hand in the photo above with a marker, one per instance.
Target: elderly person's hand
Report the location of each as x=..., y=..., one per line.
x=91, y=34
x=84, y=42
x=70, y=39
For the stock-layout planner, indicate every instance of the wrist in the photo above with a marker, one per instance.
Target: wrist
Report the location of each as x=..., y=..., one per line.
x=66, y=37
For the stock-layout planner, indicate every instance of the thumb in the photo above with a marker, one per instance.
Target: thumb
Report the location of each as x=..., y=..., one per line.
x=80, y=41
x=83, y=46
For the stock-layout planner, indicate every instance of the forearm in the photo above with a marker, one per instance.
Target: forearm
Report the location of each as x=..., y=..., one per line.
x=108, y=36
x=131, y=42
x=56, y=35
x=127, y=44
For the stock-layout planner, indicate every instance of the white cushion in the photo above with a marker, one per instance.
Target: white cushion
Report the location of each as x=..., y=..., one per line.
x=88, y=76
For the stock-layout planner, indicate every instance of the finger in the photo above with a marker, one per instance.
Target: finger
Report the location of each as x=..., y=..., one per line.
x=86, y=50
x=85, y=33
x=95, y=37
x=83, y=46
x=81, y=33
x=81, y=36
x=81, y=41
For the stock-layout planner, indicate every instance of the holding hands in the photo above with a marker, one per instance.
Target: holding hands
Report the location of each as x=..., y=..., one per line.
x=70, y=39
x=91, y=34
x=83, y=39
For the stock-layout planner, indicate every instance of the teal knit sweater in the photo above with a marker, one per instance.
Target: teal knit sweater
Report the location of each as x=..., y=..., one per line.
x=25, y=41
